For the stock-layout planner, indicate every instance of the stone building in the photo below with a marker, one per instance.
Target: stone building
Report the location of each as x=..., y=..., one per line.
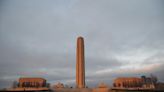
x=31, y=82
x=130, y=82
x=134, y=82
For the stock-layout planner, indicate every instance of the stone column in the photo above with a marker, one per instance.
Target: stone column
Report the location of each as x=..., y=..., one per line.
x=80, y=64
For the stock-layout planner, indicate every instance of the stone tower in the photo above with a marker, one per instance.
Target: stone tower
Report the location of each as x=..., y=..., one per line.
x=80, y=63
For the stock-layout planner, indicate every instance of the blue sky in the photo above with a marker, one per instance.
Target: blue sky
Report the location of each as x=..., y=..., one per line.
x=122, y=38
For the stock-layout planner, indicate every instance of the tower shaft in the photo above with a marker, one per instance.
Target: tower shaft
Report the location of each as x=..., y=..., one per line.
x=80, y=63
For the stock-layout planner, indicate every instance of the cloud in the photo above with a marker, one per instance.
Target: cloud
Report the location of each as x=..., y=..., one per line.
x=122, y=38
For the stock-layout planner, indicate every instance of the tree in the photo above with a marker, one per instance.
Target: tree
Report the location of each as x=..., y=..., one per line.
x=15, y=84
x=48, y=85
x=153, y=78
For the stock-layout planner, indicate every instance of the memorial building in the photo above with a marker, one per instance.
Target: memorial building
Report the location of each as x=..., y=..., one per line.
x=31, y=82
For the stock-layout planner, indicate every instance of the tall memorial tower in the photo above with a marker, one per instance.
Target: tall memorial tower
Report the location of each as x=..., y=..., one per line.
x=80, y=63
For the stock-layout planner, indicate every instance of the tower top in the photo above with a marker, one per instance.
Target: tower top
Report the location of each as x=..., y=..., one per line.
x=80, y=37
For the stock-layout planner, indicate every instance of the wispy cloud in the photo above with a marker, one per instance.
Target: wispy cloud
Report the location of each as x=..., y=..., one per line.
x=38, y=38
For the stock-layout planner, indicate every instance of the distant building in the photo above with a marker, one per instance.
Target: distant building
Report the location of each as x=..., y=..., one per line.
x=102, y=87
x=130, y=82
x=31, y=82
x=134, y=82
x=58, y=85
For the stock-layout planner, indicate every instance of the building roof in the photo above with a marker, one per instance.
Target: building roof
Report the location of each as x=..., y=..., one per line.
x=127, y=78
x=31, y=78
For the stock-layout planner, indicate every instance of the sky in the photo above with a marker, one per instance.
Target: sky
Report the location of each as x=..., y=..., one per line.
x=123, y=38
